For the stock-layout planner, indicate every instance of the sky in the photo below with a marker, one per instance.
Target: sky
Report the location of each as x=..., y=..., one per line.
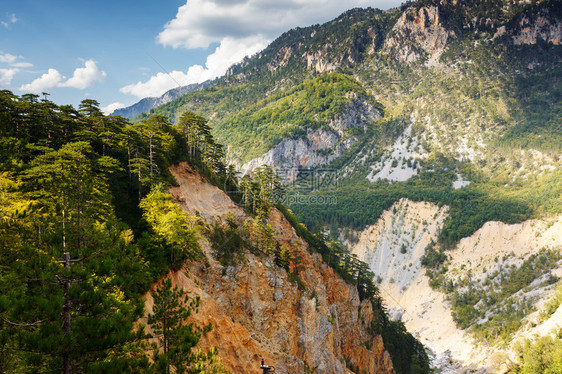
x=118, y=52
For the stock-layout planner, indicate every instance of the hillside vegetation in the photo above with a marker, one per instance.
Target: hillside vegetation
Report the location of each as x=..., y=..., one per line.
x=88, y=227
x=484, y=109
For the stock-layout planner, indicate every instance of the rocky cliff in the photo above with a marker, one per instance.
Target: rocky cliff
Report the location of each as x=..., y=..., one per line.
x=417, y=31
x=393, y=248
x=256, y=311
x=321, y=146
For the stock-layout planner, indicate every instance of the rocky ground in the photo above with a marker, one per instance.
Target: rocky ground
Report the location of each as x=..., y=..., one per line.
x=256, y=311
x=393, y=248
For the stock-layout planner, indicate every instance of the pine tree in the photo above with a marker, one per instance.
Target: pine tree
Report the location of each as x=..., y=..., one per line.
x=66, y=310
x=172, y=307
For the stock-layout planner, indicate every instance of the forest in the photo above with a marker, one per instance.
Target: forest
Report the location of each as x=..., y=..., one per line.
x=85, y=232
x=88, y=227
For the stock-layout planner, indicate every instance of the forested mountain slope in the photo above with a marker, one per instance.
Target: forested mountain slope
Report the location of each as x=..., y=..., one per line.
x=432, y=96
x=95, y=220
x=454, y=103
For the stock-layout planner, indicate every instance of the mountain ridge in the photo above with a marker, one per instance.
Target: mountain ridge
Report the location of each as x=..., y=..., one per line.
x=469, y=112
x=147, y=103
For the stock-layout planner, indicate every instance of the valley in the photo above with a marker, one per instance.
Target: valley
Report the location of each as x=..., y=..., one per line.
x=379, y=193
x=448, y=187
x=394, y=248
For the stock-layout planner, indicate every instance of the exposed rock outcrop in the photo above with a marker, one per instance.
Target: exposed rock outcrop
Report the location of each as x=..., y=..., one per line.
x=393, y=248
x=317, y=61
x=256, y=311
x=318, y=147
x=417, y=31
x=541, y=25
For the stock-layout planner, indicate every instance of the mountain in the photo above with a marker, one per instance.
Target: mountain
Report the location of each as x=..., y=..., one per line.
x=447, y=103
x=258, y=309
x=146, y=104
x=118, y=255
x=430, y=97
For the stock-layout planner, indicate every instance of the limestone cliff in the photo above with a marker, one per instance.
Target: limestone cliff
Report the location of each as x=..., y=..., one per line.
x=256, y=311
x=393, y=248
x=321, y=146
x=417, y=31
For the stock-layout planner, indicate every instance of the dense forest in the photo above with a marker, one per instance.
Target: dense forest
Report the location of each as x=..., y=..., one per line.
x=88, y=226
x=80, y=244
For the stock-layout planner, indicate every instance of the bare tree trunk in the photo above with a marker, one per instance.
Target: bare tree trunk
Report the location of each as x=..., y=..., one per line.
x=129, y=164
x=139, y=175
x=63, y=229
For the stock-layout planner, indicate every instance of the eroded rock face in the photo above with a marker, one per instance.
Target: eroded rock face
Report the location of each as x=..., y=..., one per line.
x=393, y=248
x=256, y=311
x=318, y=147
x=539, y=26
x=417, y=31
x=319, y=62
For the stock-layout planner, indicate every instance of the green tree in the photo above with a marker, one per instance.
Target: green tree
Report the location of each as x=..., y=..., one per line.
x=542, y=356
x=196, y=132
x=172, y=307
x=65, y=310
x=171, y=224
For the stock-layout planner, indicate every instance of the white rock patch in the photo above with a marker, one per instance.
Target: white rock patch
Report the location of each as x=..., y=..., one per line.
x=405, y=148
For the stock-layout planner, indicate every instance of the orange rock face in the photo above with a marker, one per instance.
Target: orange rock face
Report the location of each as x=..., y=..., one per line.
x=257, y=311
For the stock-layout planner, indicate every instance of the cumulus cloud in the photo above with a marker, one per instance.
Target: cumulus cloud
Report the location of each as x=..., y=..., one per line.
x=6, y=76
x=10, y=20
x=112, y=107
x=82, y=78
x=229, y=51
x=51, y=78
x=199, y=23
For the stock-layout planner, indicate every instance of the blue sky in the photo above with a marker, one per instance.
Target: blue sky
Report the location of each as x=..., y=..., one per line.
x=120, y=51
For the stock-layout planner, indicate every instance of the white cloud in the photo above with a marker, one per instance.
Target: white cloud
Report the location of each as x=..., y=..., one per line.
x=10, y=21
x=8, y=58
x=156, y=85
x=199, y=23
x=22, y=65
x=230, y=51
x=112, y=107
x=81, y=79
x=242, y=27
x=6, y=76
x=51, y=78
x=12, y=66
x=11, y=60
x=84, y=77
